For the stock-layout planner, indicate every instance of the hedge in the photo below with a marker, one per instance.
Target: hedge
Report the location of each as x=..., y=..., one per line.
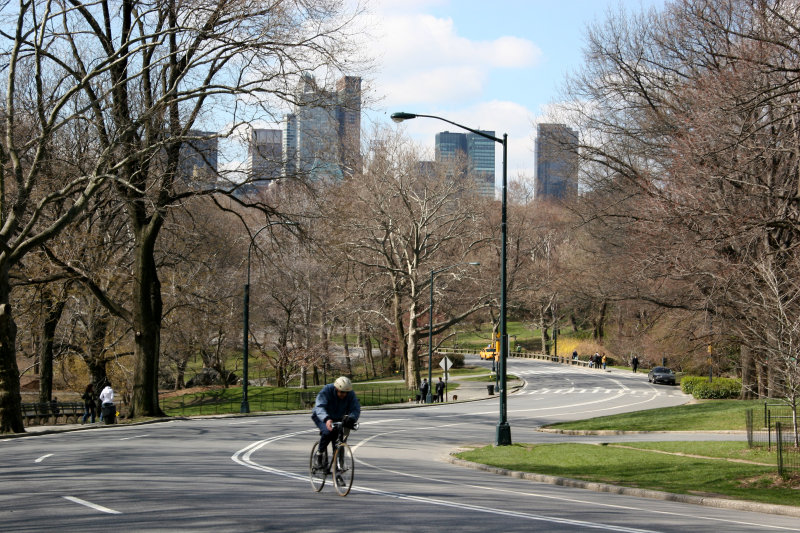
x=718, y=389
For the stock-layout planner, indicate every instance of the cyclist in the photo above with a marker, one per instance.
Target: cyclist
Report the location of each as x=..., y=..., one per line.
x=334, y=402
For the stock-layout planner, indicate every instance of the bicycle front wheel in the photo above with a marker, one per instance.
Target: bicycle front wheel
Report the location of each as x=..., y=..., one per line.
x=317, y=473
x=343, y=469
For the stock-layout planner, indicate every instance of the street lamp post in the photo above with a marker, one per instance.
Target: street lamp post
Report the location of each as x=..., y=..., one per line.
x=245, y=408
x=503, y=436
x=429, y=398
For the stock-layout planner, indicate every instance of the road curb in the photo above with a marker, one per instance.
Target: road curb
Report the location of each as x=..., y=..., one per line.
x=601, y=432
x=720, y=503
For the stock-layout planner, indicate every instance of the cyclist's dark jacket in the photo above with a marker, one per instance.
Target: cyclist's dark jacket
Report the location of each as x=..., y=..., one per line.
x=330, y=407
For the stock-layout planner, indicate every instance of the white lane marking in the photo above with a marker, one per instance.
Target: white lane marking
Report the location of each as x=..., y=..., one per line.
x=91, y=505
x=42, y=458
x=242, y=457
x=135, y=437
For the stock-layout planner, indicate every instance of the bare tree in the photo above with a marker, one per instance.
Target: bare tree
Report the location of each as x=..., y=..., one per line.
x=150, y=77
x=400, y=222
x=689, y=146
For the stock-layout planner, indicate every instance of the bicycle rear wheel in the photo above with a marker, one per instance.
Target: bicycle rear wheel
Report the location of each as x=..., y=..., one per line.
x=343, y=469
x=317, y=473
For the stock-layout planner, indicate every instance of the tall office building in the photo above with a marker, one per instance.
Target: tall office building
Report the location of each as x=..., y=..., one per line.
x=322, y=136
x=265, y=155
x=198, y=159
x=556, y=162
x=479, y=152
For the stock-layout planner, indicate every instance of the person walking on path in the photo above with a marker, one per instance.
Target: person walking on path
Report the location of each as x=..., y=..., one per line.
x=423, y=390
x=89, y=403
x=605, y=361
x=635, y=363
x=440, y=391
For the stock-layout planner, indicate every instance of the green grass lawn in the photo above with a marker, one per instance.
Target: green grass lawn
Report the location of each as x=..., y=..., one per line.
x=707, y=415
x=718, y=471
x=228, y=400
x=644, y=469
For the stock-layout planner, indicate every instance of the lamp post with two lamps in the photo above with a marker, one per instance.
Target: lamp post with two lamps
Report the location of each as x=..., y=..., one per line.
x=245, y=408
x=429, y=397
x=503, y=436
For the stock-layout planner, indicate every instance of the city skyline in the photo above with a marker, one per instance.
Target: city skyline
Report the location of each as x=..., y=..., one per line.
x=497, y=66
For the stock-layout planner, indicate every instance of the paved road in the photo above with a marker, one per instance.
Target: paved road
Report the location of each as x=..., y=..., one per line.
x=250, y=474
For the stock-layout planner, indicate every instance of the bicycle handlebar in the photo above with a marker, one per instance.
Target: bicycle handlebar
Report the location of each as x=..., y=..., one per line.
x=340, y=425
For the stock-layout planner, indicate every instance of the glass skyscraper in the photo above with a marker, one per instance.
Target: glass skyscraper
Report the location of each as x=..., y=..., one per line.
x=556, y=162
x=198, y=159
x=479, y=152
x=321, y=138
x=265, y=155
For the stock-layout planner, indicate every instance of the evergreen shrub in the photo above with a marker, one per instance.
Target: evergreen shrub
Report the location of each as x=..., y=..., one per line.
x=718, y=389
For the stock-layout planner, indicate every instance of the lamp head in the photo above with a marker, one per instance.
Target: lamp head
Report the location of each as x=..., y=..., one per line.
x=401, y=116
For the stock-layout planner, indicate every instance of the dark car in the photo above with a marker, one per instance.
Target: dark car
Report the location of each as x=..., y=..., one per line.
x=661, y=374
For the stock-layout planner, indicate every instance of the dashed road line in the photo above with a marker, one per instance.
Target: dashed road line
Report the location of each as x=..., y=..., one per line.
x=91, y=505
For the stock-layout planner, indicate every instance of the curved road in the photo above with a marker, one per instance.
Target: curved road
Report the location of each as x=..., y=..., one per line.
x=250, y=473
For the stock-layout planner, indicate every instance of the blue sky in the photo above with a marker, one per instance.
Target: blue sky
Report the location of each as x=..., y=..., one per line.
x=493, y=65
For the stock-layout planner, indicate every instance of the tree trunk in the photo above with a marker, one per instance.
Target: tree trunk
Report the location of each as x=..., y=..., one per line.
x=749, y=384
x=368, y=352
x=599, y=322
x=147, y=326
x=346, y=353
x=95, y=360
x=53, y=311
x=545, y=337
x=412, y=349
x=763, y=388
x=10, y=399
x=180, y=375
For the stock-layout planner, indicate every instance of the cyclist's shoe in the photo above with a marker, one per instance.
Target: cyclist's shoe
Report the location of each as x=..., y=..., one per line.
x=319, y=461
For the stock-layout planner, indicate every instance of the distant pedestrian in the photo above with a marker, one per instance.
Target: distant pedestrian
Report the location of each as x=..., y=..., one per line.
x=106, y=399
x=635, y=363
x=440, y=390
x=89, y=403
x=423, y=390
x=605, y=361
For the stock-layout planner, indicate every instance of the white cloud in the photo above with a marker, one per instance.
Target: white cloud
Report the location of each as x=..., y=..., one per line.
x=423, y=59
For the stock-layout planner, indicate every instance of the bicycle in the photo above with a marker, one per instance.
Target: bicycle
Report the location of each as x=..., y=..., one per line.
x=342, y=465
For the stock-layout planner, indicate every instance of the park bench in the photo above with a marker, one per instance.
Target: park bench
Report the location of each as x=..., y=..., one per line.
x=37, y=413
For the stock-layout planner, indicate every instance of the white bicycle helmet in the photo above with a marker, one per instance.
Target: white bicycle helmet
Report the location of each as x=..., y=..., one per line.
x=343, y=383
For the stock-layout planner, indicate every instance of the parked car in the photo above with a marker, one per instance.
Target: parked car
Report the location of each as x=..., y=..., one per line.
x=661, y=374
x=488, y=353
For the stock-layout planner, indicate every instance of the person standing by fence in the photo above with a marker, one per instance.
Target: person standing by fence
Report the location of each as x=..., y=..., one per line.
x=89, y=403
